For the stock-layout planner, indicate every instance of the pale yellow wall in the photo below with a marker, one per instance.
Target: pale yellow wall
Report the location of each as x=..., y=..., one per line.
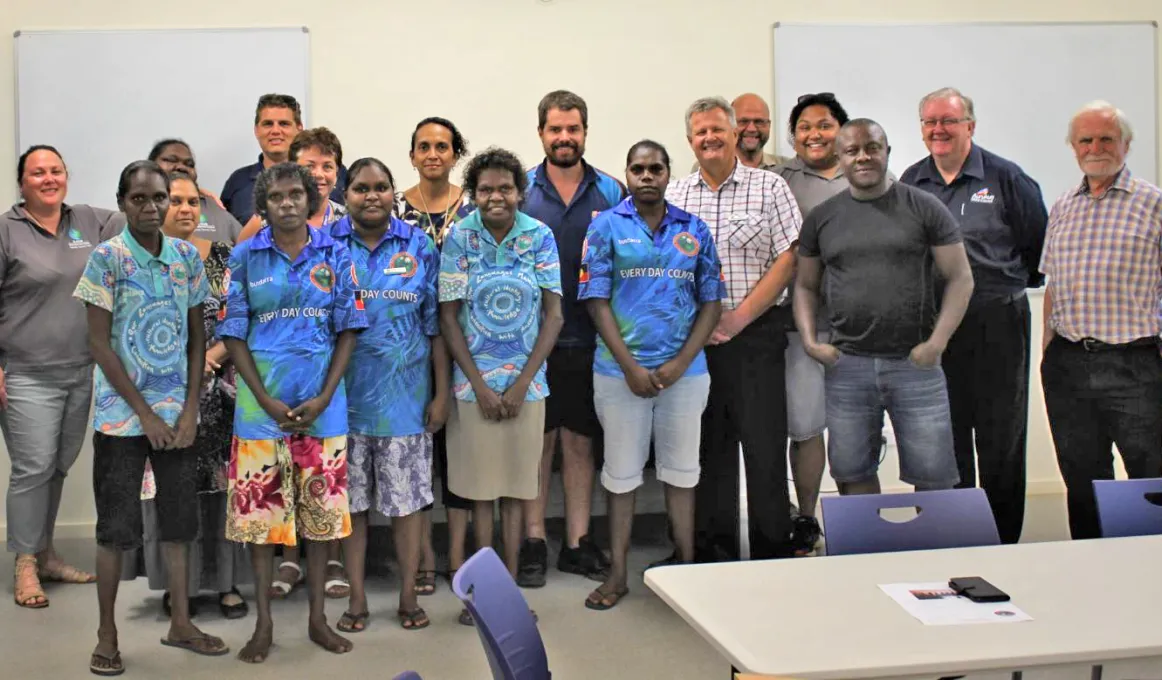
x=378, y=67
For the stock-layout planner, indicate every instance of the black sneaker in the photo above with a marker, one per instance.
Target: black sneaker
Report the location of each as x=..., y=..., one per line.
x=585, y=560
x=806, y=535
x=532, y=563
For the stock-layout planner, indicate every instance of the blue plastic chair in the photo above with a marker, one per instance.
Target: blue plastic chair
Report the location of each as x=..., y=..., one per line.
x=506, y=627
x=408, y=675
x=1123, y=508
x=953, y=518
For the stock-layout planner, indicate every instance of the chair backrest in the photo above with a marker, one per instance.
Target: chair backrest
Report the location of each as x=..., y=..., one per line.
x=1124, y=508
x=408, y=675
x=953, y=518
x=507, y=629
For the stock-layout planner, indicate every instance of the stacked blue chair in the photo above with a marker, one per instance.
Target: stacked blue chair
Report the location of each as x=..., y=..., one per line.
x=1129, y=507
x=508, y=632
x=953, y=518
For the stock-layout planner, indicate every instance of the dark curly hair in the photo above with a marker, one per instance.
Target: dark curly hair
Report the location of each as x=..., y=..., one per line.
x=495, y=158
x=322, y=139
x=459, y=144
x=283, y=171
x=134, y=168
x=822, y=99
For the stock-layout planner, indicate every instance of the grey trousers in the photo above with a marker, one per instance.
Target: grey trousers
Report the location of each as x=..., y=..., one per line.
x=44, y=427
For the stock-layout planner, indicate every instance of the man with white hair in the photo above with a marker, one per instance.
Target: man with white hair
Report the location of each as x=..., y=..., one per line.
x=1002, y=219
x=755, y=222
x=1101, y=370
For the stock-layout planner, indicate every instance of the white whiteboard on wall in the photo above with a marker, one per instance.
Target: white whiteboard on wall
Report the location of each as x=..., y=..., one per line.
x=104, y=97
x=1026, y=80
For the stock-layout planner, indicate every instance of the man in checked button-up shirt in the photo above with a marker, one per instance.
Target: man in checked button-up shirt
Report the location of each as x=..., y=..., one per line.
x=755, y=222
x=1101, y=370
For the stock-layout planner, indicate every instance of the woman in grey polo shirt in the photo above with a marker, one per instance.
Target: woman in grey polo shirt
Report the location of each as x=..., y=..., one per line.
x=45, y=369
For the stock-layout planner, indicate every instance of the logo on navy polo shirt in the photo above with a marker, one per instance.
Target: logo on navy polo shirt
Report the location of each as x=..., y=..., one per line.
x=686, y=244
x=404, y=264
x=323, y=277
x=77, y=239
x=982, y=196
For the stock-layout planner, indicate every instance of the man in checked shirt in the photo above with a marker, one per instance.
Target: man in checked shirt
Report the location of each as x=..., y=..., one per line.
x=1101, y=368
x=755, y=223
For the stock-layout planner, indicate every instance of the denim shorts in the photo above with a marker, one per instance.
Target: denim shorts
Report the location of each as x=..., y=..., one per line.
x=859, y=391
x=673, y=419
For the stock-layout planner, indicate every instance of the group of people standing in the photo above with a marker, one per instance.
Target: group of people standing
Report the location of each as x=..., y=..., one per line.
x=315, y=344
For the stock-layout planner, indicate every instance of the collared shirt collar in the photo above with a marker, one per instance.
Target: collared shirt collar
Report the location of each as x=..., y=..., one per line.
x=319, y=238
x=1123, y=182
x=542, y=177
x=973, y=167
x=798, y=165
x=168, y=255
x=396, y=228
x=628, y=208
x=732, y=178
x=21, y=212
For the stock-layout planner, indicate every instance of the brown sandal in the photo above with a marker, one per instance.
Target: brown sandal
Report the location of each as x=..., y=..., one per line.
x=28, y=591
x=415, y=619
x=65, y=573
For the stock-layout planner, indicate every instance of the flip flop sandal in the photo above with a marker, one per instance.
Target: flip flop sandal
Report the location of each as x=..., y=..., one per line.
x=416, y=619
x=605, y=601
x=191, y=645
x=425, y=582
x=280, y=589
x=337, y=588
x=110, y=668
x=353, y=623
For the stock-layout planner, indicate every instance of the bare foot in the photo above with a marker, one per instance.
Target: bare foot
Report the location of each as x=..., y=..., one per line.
x=323, y=636
x=258, y=648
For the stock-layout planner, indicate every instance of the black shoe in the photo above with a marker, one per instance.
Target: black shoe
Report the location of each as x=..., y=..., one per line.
x=806, y=535
x=585, y=560
x=533, y=563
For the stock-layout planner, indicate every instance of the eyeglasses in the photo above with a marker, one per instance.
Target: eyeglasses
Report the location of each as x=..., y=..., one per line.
x=821, y=96
x=757, y=122
x=930, y=123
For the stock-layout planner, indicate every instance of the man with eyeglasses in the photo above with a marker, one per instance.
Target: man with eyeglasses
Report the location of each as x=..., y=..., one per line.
x=1002, y=219
x=753, y=129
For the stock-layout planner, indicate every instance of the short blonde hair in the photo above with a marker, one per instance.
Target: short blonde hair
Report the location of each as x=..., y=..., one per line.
x=709, y=104
x=1102, y=106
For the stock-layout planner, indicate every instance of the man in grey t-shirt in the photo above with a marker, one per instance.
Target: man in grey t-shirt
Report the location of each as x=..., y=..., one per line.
x=216, y=224
x=875, y=250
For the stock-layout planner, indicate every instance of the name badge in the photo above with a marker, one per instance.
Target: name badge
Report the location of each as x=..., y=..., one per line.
x=395, y=270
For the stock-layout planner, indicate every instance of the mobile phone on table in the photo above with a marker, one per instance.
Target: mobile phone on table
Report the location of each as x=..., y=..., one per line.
x=977, y=589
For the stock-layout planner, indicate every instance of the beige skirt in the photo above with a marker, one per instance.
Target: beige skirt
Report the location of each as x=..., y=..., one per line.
x=488, y=460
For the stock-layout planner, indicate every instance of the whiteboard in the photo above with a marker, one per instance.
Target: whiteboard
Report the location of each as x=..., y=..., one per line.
x=1026, y=80
x=104, y=97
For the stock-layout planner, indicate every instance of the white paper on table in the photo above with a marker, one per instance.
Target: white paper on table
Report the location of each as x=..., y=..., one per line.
x=936, y=604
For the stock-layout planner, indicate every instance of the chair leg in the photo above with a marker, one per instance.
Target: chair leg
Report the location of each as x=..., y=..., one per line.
x=1095, y=672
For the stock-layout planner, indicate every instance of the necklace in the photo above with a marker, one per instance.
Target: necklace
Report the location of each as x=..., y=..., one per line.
x=443, y=228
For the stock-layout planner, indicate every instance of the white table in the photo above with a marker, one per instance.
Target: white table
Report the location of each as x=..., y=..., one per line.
x=1092, y=602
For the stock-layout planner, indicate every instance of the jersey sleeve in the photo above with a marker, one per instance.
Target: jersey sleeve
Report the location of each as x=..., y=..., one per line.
x=596, y=279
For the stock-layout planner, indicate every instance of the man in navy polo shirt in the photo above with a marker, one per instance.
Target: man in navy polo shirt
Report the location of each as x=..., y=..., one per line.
x=566, y=193
x=1002, y=220
x=278, y=119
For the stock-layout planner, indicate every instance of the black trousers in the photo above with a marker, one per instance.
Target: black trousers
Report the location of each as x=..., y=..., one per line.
x=1096, y=399
x=748, y=406
x=987, y=369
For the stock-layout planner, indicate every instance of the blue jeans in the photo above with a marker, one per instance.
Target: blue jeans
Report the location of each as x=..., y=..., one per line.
x=859, y=390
